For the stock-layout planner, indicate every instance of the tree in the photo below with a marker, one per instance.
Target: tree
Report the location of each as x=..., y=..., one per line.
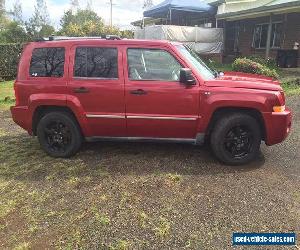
x=3, y=18
x=147, y=4
x=39, y=24
x=74, y=6
x=14, y=32
x=17, y=12
x=89, y=5
x=2, y=8
x=83, y=23
x=41, y=15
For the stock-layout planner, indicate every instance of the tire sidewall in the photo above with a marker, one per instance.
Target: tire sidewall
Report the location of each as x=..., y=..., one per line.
x=221, y=130
x=68, y=120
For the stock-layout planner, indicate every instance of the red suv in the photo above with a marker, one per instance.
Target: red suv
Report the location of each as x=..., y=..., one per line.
x=70, y=90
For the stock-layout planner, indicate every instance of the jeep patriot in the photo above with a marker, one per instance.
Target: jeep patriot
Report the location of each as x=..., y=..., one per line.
x=73, y=89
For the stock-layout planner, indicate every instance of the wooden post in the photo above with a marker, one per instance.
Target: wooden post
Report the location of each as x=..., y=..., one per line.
x=268, y=46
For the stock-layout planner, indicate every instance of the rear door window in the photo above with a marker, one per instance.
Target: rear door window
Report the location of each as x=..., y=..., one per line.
x=96, y=62
x=47, y=62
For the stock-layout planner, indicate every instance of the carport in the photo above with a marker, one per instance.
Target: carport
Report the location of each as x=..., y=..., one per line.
x=178, y=12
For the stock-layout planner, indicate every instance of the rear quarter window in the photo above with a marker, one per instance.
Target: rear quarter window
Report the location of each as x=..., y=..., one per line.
x=47, y=62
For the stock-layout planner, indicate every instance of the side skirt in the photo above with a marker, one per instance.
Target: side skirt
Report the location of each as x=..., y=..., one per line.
x=198, y=141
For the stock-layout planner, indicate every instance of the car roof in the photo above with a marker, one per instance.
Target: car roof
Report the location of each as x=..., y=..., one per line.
x=103, y=41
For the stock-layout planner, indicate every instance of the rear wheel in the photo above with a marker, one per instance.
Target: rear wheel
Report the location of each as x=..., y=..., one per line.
x=236, y=139
x=59, y=134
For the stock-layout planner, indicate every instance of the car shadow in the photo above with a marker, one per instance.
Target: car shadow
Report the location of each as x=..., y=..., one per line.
x=22, y=158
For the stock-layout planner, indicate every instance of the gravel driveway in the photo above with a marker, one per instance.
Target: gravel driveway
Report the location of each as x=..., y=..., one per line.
x=146, y=196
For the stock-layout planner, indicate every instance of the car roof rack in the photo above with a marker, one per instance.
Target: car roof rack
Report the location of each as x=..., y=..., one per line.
x=62, y=38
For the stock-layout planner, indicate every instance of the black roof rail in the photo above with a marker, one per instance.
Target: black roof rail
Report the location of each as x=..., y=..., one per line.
x=112, y=37
x=61, y=38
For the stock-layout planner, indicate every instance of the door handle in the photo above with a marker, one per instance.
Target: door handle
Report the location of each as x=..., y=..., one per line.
x=138, y=92
x=81, y=90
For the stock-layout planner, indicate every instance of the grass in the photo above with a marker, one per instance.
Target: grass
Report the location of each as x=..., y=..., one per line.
x=6, y=94
x=290, y=82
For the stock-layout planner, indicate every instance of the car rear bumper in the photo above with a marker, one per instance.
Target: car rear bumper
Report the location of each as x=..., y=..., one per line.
x=21, y=116
x=278, y=126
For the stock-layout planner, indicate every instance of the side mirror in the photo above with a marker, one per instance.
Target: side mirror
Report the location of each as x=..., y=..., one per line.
x=186, y=77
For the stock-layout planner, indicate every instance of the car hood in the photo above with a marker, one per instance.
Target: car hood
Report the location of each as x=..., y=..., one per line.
x=243, y=80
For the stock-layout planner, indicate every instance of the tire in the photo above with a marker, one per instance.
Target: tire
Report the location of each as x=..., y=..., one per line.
x=59, y=135
x=236, y=139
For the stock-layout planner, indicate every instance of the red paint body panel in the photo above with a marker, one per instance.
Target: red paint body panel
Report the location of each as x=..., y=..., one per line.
x=105, y=97
x=163, y=99
x=169, y=110
x=278, y=126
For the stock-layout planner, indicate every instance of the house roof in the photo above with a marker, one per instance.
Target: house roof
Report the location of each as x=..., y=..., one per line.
x=246, y=7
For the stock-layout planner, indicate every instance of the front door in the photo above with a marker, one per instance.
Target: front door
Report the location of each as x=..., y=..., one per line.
x=97, y=86
x=157, y=104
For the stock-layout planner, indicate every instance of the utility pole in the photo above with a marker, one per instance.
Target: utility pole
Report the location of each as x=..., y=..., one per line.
x=111, y=21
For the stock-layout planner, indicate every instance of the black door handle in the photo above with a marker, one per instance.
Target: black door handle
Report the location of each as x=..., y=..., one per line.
x=138, y=92
x=81, y=90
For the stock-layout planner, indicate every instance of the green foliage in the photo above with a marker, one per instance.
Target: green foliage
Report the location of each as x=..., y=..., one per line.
x=17, y=12
x=217, y=66
x=39, y=24
x=127, y=34
x=248, y=66
x=6, y=95
x=9, y=58
x=3, y=18
x=14, y=32
x=270, y=62
x=291, y=85
x=88, y=23
x=81, y=23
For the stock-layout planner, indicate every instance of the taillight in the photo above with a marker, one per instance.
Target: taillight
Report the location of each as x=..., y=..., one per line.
x=281, y=98
x=16, y=94
x=278, y=109
x=280, y=105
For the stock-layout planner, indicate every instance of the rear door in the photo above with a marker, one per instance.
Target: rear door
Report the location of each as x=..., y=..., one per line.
x=157, y=104
x=97, y=85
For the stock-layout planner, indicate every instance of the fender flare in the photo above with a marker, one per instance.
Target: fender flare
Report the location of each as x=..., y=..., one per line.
x=60, y=100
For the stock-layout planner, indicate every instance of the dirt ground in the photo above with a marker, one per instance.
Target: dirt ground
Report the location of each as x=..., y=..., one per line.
x=143, y=196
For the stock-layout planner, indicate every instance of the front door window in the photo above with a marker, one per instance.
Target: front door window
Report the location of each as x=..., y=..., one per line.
x=152, y=65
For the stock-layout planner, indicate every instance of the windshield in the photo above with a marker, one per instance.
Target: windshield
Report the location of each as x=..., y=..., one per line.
x=197, y=62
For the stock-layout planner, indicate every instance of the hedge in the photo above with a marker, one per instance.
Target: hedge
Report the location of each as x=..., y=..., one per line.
x=248, y=66
x=9, y=58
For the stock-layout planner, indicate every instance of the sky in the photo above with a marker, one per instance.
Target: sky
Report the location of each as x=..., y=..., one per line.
x=124, y=11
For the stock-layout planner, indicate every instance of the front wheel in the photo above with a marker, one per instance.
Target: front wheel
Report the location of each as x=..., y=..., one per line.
x=236, y=139
x=59, y=134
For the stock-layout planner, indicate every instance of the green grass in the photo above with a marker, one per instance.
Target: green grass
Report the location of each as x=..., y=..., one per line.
x=290, y=87
x=6, y=94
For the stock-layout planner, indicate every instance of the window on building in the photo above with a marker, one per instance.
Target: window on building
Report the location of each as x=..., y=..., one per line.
x=152, y=64
x=47, y=62
x=95, y=62
x=260, y=35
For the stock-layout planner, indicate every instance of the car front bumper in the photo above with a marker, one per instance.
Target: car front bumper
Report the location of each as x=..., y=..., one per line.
x=278, y=126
